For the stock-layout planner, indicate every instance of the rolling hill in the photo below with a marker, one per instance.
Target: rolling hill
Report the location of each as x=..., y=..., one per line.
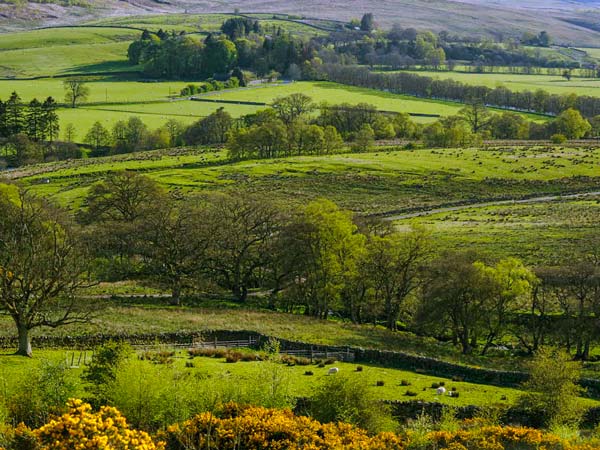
x=570, y=22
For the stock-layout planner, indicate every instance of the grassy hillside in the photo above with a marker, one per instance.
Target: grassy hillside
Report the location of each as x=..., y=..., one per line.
x=570, y=26
x=385, y=181
x=61, y=51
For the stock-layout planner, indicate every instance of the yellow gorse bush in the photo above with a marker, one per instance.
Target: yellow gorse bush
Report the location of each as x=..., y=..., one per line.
x=80, y=429
x=236, y=427
x=254, y=428
x=503, y=438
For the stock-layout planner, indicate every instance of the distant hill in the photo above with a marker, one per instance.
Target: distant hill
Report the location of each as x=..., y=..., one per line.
x=572, y=22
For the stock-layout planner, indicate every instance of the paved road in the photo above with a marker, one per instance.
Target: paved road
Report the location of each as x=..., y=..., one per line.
x=547, y=198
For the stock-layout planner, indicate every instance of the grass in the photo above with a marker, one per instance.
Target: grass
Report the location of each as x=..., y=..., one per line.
x=335, y=93
x=113, y=99
x=376, y=182
x=294, y=380
x=194, y=23
x=152, y=316
x=538, y=233
x=555, y=84
x=62, y=51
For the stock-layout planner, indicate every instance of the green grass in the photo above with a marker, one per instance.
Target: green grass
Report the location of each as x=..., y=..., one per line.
x=555, y=84
x=61, y=51
x=336, y=93
x=538, y=233
x=294, y=380
x=111, y=100
x=376, y=182
x=193, y=23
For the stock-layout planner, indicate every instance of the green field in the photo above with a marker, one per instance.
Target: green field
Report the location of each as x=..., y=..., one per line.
x=539, y=232
x=206, y=23
x=113, y=100
x=375, y=182
x=335, y=93
x=60, y=51
x=516, y=82
x=297, y=384
x=386, y=181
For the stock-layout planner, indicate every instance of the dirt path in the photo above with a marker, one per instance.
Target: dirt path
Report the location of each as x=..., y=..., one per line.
x=547, y=198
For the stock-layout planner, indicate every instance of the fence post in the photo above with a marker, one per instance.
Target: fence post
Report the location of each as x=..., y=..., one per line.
x=311, y=354
x=215, y=341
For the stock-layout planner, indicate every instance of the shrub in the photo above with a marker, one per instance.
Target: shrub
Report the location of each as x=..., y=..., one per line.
x=405, y=383
x=101, y=372
x=552, y=389
x=42, y=393
x=255, y=428
x=558, y=139
x=233, y=357
x=105, y=429
x=348, y=399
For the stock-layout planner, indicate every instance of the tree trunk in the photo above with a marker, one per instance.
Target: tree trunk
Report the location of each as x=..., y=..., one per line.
x=176, y=295
x=24, y=341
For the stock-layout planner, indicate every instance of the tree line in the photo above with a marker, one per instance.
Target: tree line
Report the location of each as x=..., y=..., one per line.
x=317, y=260
x=540, y=101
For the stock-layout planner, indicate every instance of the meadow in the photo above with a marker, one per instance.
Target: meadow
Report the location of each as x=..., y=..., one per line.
x=113, y=99
x=292, y=379
x=209, y=23
x=538, y=232
x=387, y=182
x=380, y=181
x=60, y=51
x=554, y=84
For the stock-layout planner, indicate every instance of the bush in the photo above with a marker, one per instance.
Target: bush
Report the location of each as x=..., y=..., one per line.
x=255, y=428
x=552, y=389
x=104, y=429
x=345, y=399
x=558, y=139
x=233, y=357
x=42, y=393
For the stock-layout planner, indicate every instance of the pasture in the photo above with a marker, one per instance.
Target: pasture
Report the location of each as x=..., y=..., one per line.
x=380, y=181
x=542, y=232
x=210, y=23
x=292, y=379
x=111, y=100
x=554, y=84
x=60, y=51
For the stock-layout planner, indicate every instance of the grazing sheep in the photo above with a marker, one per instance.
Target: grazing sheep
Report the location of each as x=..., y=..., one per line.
x=441, y=390
x=333, y=370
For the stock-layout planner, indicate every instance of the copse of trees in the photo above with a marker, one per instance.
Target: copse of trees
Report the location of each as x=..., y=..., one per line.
x=242, y=45
x=28, y=132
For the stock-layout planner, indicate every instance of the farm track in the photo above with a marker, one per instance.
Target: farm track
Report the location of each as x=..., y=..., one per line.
x=445, y=209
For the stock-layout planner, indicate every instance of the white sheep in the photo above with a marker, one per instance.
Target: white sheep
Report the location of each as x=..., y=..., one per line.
x=333, y=371
x=441, y=390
